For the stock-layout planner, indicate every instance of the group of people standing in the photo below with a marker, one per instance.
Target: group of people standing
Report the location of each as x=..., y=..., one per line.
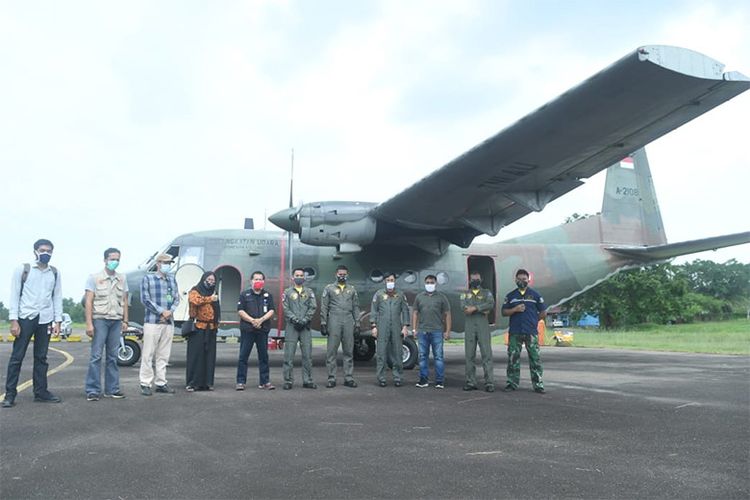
x=36, y=310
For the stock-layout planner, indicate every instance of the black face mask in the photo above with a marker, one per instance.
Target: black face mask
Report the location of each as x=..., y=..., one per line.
x=341, y=279
x=522, y=284
x=475, y=283
x=208, y=286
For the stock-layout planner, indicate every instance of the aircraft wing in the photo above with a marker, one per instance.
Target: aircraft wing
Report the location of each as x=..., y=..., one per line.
x=667, y=251
x=641, y=97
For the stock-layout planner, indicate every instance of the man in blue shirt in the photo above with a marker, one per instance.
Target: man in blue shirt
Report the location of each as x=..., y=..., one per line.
x=160, y=298
x=525, y=307
x=35, y=307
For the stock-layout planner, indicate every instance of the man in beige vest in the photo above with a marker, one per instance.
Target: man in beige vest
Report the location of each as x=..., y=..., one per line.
x=106, y=305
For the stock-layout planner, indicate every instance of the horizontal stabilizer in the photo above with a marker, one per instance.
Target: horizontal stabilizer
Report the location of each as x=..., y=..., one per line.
x=659, y=252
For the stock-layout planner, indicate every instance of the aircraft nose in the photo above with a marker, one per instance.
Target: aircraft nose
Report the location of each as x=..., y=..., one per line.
x=286, y=219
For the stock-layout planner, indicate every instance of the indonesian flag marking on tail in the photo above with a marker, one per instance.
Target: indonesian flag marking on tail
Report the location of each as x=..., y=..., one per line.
x=627, y=162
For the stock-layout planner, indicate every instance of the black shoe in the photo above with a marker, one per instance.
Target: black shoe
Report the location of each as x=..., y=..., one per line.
x=286, y=386
x=146, y=390
x=469, y=387
x=9, y=403
x=92, y=397
x=540, y=390
x=382, y=383
x=398, y=383
x=509, y=388
x=49, y=398
x=115, y=395
x=165, y=389
x=350, y=383
x=489, y=388
x=331, y=384
x=311, y=385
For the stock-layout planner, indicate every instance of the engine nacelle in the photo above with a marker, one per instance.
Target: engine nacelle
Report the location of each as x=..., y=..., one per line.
x=345, y=224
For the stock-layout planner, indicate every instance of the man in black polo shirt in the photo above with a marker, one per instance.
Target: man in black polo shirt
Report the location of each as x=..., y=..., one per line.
x=525, y=308
x=255, y=309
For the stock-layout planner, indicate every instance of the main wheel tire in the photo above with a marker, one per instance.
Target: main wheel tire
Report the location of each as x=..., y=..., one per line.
x=364, y=349
x=129, y=354
x=410, y=352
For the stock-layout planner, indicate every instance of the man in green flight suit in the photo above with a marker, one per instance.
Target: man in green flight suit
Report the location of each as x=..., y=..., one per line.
x=339, y=319
x=476, y=304
x=389, y=319
x=299, y=308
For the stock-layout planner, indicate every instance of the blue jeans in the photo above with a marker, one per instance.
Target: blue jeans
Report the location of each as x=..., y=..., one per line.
x=29, y=327
x=106, y=334
x=247, y=339
x=434, y=339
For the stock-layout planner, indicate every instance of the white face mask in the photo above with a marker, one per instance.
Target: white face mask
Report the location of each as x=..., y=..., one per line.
x=390, y=286
x=429, y=287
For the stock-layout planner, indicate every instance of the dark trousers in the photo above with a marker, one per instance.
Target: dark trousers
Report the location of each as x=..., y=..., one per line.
x=247, y=340
x=201, y=359
x=29, y=327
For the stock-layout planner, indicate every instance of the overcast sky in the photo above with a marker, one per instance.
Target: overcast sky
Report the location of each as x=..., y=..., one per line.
x=128, y=124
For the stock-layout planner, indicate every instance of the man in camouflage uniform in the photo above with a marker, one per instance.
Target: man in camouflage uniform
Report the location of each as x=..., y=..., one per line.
x=476, y=304
x=339, y=319
x=525, y=307
x=299, y=308
x=389, y=318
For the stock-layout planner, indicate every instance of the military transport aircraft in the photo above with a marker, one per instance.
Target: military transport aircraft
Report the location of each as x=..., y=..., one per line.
x=429, y=227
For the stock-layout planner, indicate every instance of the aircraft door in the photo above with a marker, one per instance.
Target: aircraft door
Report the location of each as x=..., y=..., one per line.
x=485, y=265
x=187, y=276
x=228, y=286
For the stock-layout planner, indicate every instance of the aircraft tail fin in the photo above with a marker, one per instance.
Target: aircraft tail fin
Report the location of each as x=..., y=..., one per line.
x=630, y=211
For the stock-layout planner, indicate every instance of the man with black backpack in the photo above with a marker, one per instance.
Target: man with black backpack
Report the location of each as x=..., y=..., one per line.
x=35, y=307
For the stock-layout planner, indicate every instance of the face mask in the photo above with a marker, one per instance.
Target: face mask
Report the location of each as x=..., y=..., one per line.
x=166, y=268
x=521, y=284
x=112, y=264
x=475, y=283
x=341, y=279
x=258, y=285
x=299, y=281
x=43, y=258
x=390, y=286
x=209, y=286
x=429, y=287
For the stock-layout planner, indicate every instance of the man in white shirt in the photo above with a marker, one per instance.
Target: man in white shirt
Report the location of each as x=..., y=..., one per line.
x=35, y=307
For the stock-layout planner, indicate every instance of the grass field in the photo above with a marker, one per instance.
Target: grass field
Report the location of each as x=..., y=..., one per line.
x=722, y=337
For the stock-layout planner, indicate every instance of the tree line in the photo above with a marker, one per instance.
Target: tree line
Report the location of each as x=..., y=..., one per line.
x=701, y=290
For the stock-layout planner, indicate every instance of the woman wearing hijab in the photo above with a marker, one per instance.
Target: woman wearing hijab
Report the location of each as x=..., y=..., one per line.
x=201, y=344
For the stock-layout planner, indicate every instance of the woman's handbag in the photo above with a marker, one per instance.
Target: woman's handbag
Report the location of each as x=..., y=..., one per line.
x=188, y=327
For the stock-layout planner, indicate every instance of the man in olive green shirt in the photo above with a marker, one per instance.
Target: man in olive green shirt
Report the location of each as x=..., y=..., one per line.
x=476, y=304
x=431, y=320
x=299, y=308
x=339, y=319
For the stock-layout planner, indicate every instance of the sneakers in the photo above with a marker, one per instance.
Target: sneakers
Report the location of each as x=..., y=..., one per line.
x=311, y=385
x=382, y=383
x=49, y=398
x=92, y=397
x=438, y=385
x=398, y=383
x=164, y=389
x=422, y=383
x=286, y=386
x=239, y=387
x=350, y=383
x=190, y=388
x=115, y=395
x=146, y=390
x=9, y=403
x=267, y=386
x=331, y=384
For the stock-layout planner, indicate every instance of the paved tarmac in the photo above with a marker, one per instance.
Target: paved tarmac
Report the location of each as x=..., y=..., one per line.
x=613, y=424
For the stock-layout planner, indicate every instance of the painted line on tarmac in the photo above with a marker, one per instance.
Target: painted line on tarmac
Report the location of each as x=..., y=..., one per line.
x=68, y=360
x=657, y=399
